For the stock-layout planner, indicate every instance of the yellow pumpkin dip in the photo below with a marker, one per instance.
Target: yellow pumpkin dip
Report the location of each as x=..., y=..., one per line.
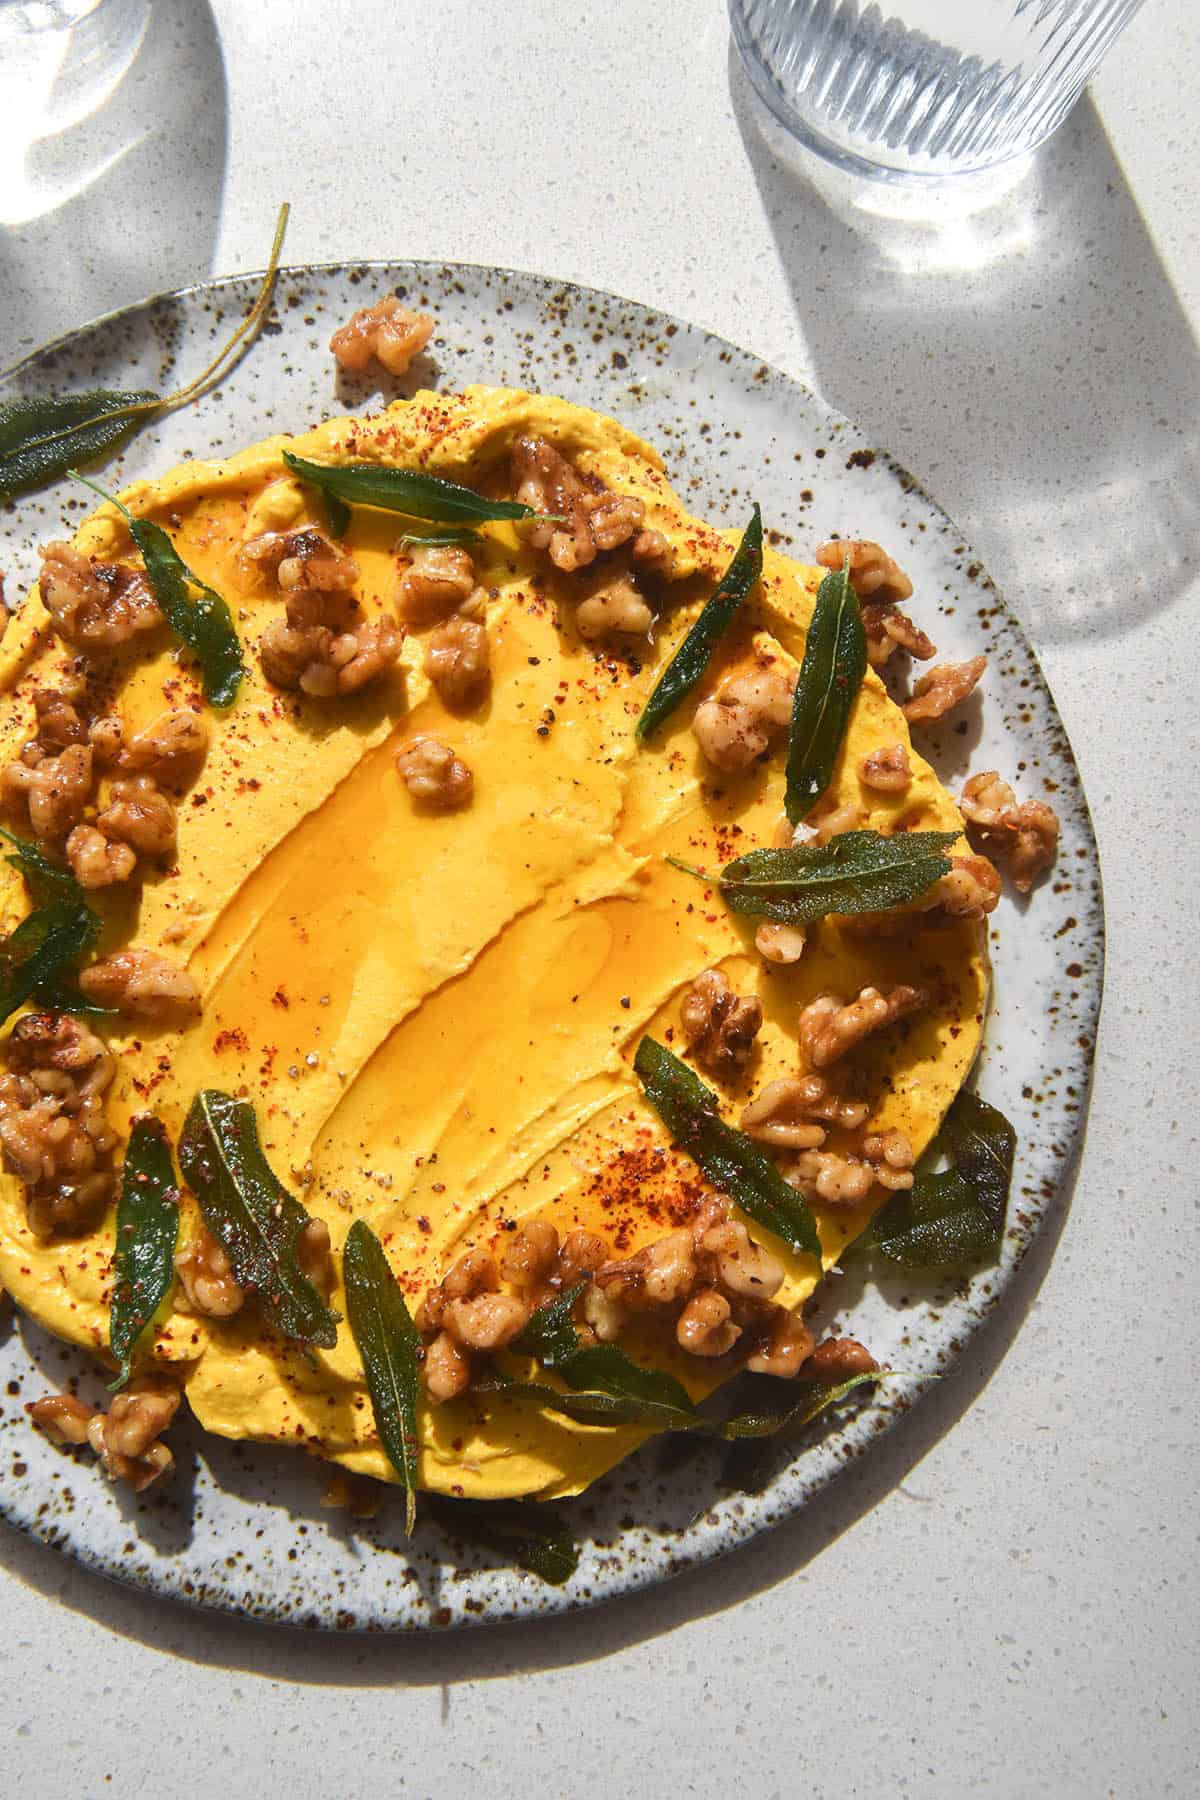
x=411, y=897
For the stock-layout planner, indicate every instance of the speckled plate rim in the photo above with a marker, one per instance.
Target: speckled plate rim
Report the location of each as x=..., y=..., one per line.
x=722, y=1528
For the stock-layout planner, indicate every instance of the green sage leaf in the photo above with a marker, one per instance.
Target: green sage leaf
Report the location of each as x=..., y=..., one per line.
x=252, y=1215
x=956, y=1214
x=407, y=491
x=390, y=1348
x=855, y=872
x=749, y=1461
x=525, y=1531
x=40, y=438
x=195, y=612
x=147, y=1233
x=732, y=1162
x=693, y=656
x=835, y=661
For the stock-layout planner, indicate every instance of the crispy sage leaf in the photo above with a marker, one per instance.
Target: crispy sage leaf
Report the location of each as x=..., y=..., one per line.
x=407, y=491
x=552, y=1338
x=855, y=872
x=147, y=1233
x=748, y=1462
x=46, y=880
x=958, y=1213
x=195, y=612
x=62, y=928
x=732, y=1161
x=599, y=1405
x=691, y=659
x=450, y=534
x=51, y=939
x=252, y=1215
x=982, y=1144
x=526, y=1531
x=40, y=437
x=589, y=1406
x=390, y=1348
x=835, y=661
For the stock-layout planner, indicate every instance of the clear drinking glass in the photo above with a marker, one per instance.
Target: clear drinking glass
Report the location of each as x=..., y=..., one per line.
x=925, y=88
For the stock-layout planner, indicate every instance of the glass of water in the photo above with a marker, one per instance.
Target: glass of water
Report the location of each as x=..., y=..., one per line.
x=923, y=88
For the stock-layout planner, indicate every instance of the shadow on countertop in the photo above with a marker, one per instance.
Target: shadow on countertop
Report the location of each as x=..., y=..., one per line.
x=1016, y=325
x=426, y=1659
x=126, y=201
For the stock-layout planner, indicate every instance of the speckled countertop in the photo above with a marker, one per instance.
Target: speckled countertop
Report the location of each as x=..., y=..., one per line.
x=1002, y=1598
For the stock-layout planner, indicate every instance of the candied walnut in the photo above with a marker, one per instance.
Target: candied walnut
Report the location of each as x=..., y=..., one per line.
x=653, y=552
x=530, y=1254
x=615, y=610
x=829, y=1025
x=53, y=1129
x=126, y=1437
x=887, y=771
x=56, y=789
x=660, y=1274
x=832, y=824
x=457, y=660
x=786, y=1346
x=107, y=738
x=603, y=1315
x=68, y=1208
x=596, y=520
x=1028, y=832
x=779, y=943
x=63, y=1417
x=58, y=722
x=887, y=630
x=447, y=1370
x=891, y=1156
x=315, y=1256
x=720, y=1026
x=742, y=1267
x=749, y=710
x=488, y=1322
x=704, y=1327
x=781, y=1116
x=173, y=746
x=439, y=579
x=95, y=863
x=143, y=985
x=304, y=561
x=387, y=331
x=473, y=1273
x=434, y=774
x=95, y=606
x=207, y=1277
x=943, y=689
x=324, y=662
x=580, y=1254
x=838, y=1180
x=971, y=889
x=837, y=1359
x=139, y=814
x=818, y=1100
x=872, y=571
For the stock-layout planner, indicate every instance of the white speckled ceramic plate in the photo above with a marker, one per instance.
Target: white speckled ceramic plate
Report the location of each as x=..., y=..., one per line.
x=240, y=1527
